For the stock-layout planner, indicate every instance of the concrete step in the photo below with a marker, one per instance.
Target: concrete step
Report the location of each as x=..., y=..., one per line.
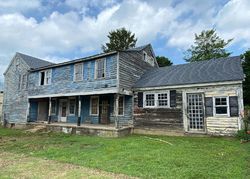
x=37, y=128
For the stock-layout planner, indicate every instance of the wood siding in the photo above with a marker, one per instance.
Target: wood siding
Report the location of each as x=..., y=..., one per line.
x=131, y=68
x=160, y=118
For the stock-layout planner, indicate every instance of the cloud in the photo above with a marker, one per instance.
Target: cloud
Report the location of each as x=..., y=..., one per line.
x=82, y=26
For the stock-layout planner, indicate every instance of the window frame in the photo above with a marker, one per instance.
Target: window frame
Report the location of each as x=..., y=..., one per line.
x=227, y=105
x=156, y=99
x=55, y=102
x=123, y=106
x=72, y=114
x=90, y=111
x=45, y=77
x=104, y=68
x=76, y=64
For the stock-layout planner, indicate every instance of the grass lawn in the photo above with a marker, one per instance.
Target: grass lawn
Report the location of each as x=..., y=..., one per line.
x=136, y=155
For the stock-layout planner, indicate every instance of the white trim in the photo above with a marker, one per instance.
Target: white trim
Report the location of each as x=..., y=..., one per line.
x=60, y=110
x=123, y=111
x=104, y=68
x=70, y=98
x=90, y=107
x=45, y=77
x=106, y=91
x=156, y=100
x=189, y=85
x=74, y=75
x=214, y=107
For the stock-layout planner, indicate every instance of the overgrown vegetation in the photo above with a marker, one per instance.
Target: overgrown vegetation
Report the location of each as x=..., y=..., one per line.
x=137, y=155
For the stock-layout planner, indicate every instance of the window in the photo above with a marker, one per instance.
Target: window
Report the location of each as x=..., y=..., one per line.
x=221, y=105
x=150, y=100
x=45, y=77
x=121, y=106
x=148, y=59
x=155, y=100
x=100, y=68
x=53, y=107
x=163, y=99
x=24, y=81
x=72, y=106
x=78, y=72
x=145, y=56
x=94, y=104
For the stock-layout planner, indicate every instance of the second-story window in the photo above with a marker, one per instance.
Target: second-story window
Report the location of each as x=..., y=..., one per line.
x=78, y=72
x=24, y=81
x=100, y=68
x=45, y=77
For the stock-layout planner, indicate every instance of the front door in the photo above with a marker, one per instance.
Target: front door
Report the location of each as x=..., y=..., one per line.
x=63, y=110
x=42, y=111
x=104, y=111
x=195, y=111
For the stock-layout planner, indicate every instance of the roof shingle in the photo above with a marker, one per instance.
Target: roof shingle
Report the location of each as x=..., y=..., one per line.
x=214, y=70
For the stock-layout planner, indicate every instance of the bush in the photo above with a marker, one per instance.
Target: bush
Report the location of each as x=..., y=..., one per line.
x=242, y=134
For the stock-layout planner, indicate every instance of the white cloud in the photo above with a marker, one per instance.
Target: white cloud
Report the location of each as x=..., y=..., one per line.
x=77, y=33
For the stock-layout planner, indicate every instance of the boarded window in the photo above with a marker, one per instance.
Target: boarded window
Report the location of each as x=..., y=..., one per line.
x=140, y=99
x=234, y=108
x=72, y=106
x=221, y=105
x=209, y=106
x=100, y=68
x=94, y=105
x=121, y=105
x=53, y=107
x=78, y=72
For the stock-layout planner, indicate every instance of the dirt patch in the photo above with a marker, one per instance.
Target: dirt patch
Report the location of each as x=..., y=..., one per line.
x=22, y=166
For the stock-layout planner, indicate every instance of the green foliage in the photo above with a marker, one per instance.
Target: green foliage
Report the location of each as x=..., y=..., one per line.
x=136, y=155
x=246, y=83
x=207, y=45
x=120, y=39
x=242, y=134
x=163, y=61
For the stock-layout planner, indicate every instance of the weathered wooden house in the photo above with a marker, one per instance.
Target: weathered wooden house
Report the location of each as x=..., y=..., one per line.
x=125, y=90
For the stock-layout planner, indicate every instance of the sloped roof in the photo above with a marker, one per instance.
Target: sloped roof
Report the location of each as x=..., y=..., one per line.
x=138, y=48
x=33, y=62
x=214, y=70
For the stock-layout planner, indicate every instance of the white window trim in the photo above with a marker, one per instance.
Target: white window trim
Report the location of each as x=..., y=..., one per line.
x=75, y=71
x=122, y=106
x=90, y=107
x=55, y=107
x=72, y=114
x=45, y=76
x=214, y=107
x=156, y=105
x=96, y=69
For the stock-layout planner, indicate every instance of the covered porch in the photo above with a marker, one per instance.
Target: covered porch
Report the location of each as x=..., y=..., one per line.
x=114, y=110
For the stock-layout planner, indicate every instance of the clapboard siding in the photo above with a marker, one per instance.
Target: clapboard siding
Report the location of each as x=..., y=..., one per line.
x=131, y=68
x=15, y=98
x=163, y=118
x=62, y=80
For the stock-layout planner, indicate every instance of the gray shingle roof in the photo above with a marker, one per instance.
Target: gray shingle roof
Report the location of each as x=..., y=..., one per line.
x=137, y=48
x=33, y=62
x=215, y=70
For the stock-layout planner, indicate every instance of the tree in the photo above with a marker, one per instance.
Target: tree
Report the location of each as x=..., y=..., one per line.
x=207, y=45
x=163, y=61
x=120, y=39
x=246, y=83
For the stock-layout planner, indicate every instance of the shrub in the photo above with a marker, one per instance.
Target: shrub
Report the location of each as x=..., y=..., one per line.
x=242, y=134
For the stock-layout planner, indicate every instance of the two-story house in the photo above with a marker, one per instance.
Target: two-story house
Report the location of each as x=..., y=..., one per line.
x=126, y=88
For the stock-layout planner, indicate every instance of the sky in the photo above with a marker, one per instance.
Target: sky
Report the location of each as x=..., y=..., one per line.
x=61, y=30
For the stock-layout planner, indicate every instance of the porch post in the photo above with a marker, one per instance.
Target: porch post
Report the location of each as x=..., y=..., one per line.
x=79, y=111
x=49, y=117
x=28, y=111
x=116, y=111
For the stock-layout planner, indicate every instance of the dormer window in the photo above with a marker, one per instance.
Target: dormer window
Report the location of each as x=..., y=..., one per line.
x=78, y=72
x=100, y=68
x=148, y=58
x=145, y=56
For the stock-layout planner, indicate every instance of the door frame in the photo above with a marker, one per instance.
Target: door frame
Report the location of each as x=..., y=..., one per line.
x=103, y=98
x=60, y=110
x=185, y=112
x=39, y=108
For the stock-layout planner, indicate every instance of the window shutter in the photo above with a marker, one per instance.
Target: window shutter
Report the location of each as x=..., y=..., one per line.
x=209, y=106
x=140, y=99
x=233, y=105
x=172, y=98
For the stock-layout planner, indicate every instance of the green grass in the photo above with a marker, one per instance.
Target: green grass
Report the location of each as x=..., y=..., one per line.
x=137, y=155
